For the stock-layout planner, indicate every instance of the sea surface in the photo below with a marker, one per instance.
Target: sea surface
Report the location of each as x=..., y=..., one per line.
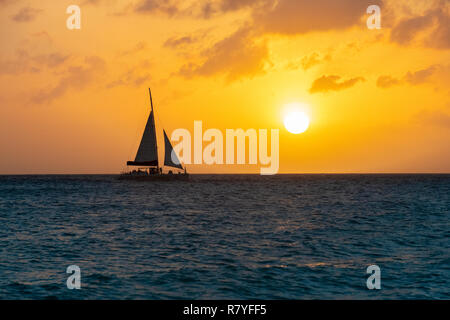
x=225, y=237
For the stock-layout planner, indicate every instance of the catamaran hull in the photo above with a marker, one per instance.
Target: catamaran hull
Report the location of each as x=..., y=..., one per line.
x=156, y=177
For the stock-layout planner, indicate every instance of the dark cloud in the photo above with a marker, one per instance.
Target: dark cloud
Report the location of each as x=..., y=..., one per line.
x=439, y=37
x=153, y=6
x=301, y=16
x=75, y=77
x=126, y=7
x=407, y=29
x=199, y=9
x=237, y=56
x=232, y=5
x=272, y=16
x=210, y=9
x=436, y=24
x=333, y=83
x=269, y=16
x=26, y=14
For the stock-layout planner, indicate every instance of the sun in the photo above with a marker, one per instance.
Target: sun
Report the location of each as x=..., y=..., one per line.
x=296, y=121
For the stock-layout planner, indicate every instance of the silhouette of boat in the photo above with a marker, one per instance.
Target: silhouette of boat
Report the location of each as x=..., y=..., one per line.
x=146, y=160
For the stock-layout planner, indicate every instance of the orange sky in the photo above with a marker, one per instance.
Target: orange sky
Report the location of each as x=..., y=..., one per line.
x=76, y=101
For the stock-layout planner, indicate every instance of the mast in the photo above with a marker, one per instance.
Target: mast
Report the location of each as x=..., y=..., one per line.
x=156, y=142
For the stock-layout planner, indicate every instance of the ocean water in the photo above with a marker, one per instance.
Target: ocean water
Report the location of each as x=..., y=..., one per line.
x=225, y=237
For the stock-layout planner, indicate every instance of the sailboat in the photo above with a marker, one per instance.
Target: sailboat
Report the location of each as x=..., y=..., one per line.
x=146, y=160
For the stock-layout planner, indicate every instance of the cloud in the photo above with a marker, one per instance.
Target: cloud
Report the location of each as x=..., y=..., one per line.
x=23, y=62
x=270, y=16
x=314, y=59
x=180, y=41
x=291, y=17
x=26, y=14
x=233, y=5
x=412, y=78
x=420, y=76
x=434, y=23
x=333, y=83
x=387, y=82
x=190, y=45
x=204, y=9
x=42, y=36
x=153, y=6
x=51, y=60
x=406, y=30
x=127, y=7
x=93, y=2
x=308, y=61
x=440, y=36
x=129, y=79
x=213, y=8
x=6, y=2
x=76, y=77
x=20, y=64
x=133, y=77
x=288, y=17
x=137, y=48
x=237, y=56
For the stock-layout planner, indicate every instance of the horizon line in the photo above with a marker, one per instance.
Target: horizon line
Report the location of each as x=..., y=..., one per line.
x=253, y=174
